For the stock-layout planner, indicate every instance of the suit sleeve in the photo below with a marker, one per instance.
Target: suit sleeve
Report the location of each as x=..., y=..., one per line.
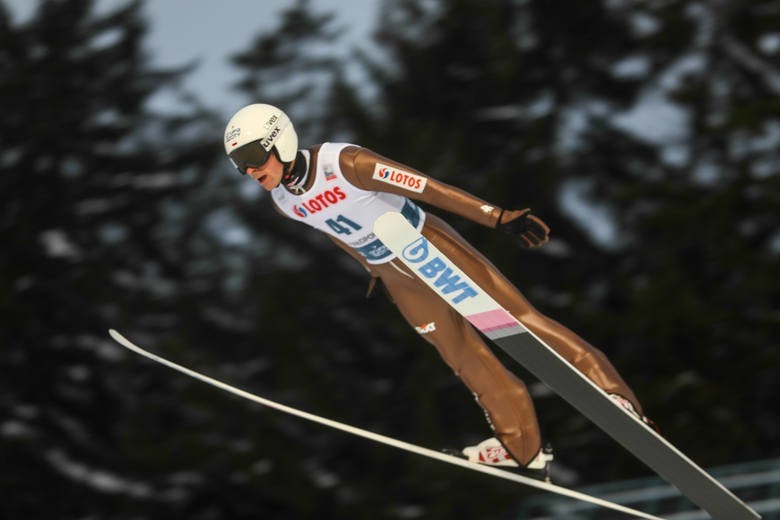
x=359, y=166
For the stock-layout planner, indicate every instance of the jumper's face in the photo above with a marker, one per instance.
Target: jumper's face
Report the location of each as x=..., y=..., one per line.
x=268, y=174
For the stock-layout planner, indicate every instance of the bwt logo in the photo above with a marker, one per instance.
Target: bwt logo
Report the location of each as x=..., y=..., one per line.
x=437, y=270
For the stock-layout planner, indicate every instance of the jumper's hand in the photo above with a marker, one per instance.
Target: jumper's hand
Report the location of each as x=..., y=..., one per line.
x=533, y=232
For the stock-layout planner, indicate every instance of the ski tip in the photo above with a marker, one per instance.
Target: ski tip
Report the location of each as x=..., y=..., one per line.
x=119, y=338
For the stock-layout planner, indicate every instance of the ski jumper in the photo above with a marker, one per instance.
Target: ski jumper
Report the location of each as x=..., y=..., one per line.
x=347, y=188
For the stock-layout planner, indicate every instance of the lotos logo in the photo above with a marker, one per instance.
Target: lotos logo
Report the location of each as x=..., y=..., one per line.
x=402, y=179
x=444, y=277
x=319, y=202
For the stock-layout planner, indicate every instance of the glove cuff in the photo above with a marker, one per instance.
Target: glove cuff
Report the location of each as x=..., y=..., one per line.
x=500, y=216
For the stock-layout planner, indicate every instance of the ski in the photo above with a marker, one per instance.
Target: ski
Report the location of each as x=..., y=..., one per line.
x=444, y=277
x=383, y=439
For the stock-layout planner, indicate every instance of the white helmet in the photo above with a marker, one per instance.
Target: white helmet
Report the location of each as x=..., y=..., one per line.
x=254, y=131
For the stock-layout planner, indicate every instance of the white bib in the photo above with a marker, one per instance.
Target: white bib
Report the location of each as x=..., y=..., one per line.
x=345, y=212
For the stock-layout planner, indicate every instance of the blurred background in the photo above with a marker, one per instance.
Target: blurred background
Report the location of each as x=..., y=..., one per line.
x=646, y=133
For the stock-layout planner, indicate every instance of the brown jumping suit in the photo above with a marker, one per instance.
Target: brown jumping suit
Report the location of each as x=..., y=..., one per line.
x=504, y=398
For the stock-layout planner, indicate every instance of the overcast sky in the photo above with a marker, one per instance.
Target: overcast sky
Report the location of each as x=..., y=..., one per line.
x=212, y=30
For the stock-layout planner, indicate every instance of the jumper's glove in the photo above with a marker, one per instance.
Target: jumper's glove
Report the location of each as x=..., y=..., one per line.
x=533, y=232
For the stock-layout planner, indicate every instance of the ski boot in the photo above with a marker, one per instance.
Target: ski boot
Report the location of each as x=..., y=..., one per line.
x=492, y=453
x=629, y=407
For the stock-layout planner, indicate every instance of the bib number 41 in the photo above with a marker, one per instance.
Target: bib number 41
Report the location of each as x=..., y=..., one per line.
x=341, y=225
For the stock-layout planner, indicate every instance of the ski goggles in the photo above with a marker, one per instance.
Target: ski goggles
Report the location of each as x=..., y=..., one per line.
x=250, y=155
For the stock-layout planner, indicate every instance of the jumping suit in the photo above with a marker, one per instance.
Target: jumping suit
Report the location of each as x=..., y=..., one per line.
x=347, y=188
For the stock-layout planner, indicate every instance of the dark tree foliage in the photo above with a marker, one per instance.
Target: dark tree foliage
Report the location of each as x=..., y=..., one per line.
x=118, y=214
x=91, y=183
x=691, y=295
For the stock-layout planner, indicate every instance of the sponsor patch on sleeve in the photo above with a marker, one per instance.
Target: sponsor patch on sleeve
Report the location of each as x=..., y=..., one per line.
x=400, y=178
